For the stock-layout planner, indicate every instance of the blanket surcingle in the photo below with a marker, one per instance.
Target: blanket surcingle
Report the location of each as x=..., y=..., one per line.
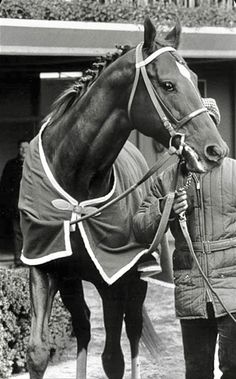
x=108, y=237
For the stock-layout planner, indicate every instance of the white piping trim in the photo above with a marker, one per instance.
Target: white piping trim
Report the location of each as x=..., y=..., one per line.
x=57, y=186
x=118, y=274
x=154, y=55
x=67, y=236
x=158, y=282
x=68, y=252
x=49, y=174
x=112, y=279
x=62, y=254
x=101, y=199
x=52, y=256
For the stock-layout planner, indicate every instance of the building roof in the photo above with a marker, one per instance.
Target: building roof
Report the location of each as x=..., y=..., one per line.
x=90, y=39
x=209, y=42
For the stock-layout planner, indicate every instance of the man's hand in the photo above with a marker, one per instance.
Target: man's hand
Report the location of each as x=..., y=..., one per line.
x=180, y=202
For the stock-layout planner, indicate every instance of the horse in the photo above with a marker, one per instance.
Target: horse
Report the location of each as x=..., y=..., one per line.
x=150, y=89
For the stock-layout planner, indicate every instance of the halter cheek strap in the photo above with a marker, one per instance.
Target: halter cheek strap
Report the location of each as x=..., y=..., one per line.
x=140, y=67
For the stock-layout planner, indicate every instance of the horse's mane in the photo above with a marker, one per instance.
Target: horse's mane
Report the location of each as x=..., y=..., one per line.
x=75, y=92
x=80, y=86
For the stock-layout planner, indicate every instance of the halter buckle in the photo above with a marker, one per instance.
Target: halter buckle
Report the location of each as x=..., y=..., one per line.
x=172, y=149
x=167, y=124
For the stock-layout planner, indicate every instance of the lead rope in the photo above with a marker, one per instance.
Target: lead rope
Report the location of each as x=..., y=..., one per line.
x=166, y=214
x=184, y=228
x=163, y=223
x=165, y=218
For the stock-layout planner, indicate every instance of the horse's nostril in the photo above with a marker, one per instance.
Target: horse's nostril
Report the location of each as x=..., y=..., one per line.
x=212, y=150
x=214, y=153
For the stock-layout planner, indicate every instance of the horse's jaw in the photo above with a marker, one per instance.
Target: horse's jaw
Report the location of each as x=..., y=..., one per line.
x=193, y=162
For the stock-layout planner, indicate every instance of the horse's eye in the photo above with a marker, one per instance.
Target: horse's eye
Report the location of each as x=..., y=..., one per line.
x=168, y=86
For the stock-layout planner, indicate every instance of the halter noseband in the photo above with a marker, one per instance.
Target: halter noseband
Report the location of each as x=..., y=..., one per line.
x=158, y=103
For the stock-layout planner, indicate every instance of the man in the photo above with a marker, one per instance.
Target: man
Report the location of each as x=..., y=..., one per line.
x=9, y=195
x=210, y=205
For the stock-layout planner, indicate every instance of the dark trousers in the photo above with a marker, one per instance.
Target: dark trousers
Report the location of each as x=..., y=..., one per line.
x=199, y=342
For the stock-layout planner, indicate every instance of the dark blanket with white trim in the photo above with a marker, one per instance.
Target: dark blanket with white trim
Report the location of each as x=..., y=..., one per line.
x=108, y=237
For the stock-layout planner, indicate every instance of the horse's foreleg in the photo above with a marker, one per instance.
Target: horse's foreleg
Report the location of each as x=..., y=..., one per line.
x=113, y=312
x=42, y=290
x=72, y=295
x=134, y=321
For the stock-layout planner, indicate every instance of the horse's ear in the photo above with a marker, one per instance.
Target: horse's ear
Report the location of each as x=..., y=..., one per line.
x=149, y=33
x=173, y=37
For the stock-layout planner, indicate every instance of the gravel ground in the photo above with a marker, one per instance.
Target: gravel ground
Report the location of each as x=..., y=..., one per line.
x=170, y=364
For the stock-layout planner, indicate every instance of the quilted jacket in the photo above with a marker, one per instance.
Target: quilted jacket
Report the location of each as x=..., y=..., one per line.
x=211, y=220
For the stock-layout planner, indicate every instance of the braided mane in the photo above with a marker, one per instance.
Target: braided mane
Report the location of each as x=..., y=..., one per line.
x=80, y=86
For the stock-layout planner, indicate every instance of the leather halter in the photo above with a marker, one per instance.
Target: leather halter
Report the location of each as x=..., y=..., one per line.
x=162, y=110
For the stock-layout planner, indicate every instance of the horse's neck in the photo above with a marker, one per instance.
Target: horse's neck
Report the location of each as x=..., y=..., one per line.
x=92, y=175
x=83, y=157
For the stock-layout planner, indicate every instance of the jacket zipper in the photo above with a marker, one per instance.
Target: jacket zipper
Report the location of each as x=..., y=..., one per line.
x=209, y=297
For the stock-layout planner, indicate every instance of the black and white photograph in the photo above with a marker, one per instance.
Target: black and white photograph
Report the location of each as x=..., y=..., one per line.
x=117, y=189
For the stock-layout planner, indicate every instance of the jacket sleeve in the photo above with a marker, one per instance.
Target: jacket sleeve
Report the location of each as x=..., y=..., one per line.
x=146, y=220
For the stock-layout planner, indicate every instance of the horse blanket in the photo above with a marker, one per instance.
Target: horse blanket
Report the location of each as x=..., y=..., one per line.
x=108, y=237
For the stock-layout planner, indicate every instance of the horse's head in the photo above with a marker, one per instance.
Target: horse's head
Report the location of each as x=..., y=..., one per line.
x=173, y=106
